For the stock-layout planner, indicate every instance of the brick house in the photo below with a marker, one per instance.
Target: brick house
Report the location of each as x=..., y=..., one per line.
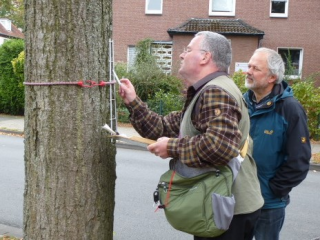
x=8, y=31
x=290, y=27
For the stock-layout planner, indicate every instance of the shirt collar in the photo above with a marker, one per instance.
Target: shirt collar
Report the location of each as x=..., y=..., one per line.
x=198, y=85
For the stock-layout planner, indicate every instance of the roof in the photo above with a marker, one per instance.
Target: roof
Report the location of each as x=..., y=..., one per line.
x=222, y=26
x=14, y=33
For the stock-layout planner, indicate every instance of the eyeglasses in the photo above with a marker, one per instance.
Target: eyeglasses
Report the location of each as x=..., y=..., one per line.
x=187, y=50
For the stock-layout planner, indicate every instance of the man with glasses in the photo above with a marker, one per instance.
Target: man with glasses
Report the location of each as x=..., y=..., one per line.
x=215, y=111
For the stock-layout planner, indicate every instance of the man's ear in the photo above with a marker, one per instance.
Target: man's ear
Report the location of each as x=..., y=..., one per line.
x=273, y=78
x=206, y=57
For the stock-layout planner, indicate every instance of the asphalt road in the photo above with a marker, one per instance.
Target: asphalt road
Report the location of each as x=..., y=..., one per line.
x=11, y=180
x=137, y=175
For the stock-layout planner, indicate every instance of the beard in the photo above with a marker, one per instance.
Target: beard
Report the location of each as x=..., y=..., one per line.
x=252, y=84
x=249, y=84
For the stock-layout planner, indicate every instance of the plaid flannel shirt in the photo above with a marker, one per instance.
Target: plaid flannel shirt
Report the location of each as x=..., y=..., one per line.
x=217, y=118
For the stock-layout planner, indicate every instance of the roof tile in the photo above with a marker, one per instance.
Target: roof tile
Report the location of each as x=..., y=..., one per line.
x=222, y=26
x=14, y=33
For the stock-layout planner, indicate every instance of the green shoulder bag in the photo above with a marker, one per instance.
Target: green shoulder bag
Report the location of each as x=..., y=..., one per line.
x=202, y=205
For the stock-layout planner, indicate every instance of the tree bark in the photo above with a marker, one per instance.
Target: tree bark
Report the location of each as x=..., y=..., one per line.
x=69, y=161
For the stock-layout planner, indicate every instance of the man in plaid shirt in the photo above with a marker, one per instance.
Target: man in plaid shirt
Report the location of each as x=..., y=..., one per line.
x=216, y=116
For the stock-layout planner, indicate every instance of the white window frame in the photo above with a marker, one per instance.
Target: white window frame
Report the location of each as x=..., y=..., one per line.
x=222, y=13
x=280, y=15
x=153, y=11
x=131, y=56
x=300, y=61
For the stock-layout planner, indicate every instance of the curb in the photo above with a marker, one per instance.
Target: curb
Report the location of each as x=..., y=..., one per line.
x=314, y=167
x=11, y=131
x=118, y=144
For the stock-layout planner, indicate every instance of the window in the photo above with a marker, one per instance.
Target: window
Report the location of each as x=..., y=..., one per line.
x=292, y=58
x=163, y=53
x=153, y=6
x=279, y=8
x=131, y=57
x=222, y=8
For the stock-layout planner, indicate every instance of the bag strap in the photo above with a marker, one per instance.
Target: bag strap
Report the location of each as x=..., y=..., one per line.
x=166, y=203
x=244, y=149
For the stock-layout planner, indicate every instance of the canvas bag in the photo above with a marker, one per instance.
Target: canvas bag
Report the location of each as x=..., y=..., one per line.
x=202, y=205
x=199, y=201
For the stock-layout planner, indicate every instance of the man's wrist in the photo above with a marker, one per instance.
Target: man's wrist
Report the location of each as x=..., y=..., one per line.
x=172, y=147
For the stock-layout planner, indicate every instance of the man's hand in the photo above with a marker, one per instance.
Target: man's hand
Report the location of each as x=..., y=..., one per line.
x=159, y=148
x=127, y=91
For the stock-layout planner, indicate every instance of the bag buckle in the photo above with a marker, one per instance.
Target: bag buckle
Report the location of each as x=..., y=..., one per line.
x=156, y=196
x=156, y=200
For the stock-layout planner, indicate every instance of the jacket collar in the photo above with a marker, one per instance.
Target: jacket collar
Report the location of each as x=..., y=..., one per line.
x=279, y=91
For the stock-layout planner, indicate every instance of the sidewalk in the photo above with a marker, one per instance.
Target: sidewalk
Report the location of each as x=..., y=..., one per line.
x=15, y=125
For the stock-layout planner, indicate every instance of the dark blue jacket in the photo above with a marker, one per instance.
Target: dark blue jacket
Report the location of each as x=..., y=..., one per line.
x=281, y=145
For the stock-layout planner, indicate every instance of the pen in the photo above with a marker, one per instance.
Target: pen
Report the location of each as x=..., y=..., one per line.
x=116, y=77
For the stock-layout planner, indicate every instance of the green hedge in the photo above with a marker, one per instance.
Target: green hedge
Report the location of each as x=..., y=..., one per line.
x=309, y=96
x=11, y=79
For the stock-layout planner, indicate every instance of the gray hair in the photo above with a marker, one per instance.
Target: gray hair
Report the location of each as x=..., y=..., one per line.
x=219, y=47
x=275, y=63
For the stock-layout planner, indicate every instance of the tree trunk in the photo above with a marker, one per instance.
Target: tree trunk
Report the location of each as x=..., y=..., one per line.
x=69, y=161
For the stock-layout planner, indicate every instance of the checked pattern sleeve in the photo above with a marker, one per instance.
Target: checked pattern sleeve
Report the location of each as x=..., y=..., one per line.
x=151, y=125
x=217, y=121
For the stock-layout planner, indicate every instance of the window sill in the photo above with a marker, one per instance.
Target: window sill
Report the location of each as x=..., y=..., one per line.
x=292, y=77
x=278, y=16
x=222, y=14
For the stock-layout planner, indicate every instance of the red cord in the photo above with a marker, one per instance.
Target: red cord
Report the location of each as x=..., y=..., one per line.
x=86, y=83
x=168, y=193
x=169, y=190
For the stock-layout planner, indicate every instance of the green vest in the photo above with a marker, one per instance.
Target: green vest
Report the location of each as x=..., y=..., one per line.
x=246, y=188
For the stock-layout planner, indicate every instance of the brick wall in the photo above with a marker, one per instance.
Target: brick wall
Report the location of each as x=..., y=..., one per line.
x=300, y=30
x=242, y=49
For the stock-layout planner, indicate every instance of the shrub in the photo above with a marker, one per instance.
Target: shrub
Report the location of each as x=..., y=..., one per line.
x=123, y=115
x=309, y=97
x=164, y=103
x=151, y=84
x=11, y=77
x=239, y=79
x=147, y=77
